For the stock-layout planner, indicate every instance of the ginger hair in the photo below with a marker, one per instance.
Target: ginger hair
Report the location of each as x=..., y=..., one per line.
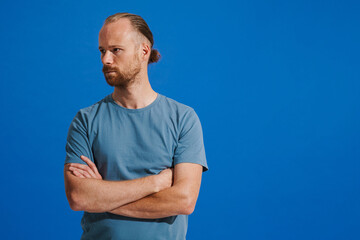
x=139, y=24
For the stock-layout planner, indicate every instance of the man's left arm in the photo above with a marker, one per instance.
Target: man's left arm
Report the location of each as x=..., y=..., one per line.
x=180, y=199
x=190, y=162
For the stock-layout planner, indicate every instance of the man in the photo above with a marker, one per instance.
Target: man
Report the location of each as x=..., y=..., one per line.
x=134, y=160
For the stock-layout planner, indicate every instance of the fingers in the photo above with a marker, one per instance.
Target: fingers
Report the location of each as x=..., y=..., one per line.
x=81, y=172
x=85, y=171
x=77, y=174
x=91, y=165
x=82, y=168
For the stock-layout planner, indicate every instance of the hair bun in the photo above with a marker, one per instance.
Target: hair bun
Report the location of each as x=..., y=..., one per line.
x=154, y=56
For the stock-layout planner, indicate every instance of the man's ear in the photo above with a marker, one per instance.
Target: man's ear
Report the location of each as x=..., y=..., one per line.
x=146, y=51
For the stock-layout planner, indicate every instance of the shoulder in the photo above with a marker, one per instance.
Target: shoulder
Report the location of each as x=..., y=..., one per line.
x=177, y=107
x=87, y=114
x=183, y=114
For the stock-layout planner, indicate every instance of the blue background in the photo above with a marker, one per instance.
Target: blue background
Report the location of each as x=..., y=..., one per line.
x=275, y=84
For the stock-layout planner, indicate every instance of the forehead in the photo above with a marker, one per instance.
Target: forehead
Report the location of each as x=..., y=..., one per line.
x=115, y=33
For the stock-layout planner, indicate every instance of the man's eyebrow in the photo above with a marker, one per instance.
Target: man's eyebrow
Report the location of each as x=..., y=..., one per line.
x=112, y=46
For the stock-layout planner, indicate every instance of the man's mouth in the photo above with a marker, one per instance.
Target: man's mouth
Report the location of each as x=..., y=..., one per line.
x=107, y=69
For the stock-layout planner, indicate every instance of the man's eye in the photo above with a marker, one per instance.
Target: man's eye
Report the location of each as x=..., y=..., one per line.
x=116, y=49
x=102, y=50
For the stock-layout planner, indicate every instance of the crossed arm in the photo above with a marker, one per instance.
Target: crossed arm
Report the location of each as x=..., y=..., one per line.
x=171, y=192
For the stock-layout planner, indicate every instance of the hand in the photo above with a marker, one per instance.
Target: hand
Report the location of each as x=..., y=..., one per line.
x=165, y=178
x=85, y=171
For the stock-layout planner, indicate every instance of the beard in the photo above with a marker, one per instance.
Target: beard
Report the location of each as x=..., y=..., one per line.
x=119, y=78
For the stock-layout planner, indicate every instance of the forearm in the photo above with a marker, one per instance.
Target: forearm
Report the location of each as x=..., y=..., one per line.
x=94, y=195
x=169, y=202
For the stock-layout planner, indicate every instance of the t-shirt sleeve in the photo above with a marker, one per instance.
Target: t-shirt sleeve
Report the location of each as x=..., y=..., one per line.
x=190, y=147
x=77, y=142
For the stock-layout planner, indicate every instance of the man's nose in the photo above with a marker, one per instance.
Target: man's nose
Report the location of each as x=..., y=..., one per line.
x=107, y=58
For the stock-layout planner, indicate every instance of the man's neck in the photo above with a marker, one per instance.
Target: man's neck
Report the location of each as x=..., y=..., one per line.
x=138, y=94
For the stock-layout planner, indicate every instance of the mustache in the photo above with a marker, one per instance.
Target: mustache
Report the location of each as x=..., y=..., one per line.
x=107, y=68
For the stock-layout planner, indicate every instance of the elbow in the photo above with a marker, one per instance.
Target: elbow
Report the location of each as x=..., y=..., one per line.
x=75, y=201
x=75, y=206
x=188, y=205
x=188, y=210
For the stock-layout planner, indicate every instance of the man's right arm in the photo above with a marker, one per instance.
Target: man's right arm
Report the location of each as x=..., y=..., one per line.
x=97, y=195
x=94, y=194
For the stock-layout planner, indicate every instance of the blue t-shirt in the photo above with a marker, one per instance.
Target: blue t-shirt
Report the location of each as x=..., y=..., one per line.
x=133, y=143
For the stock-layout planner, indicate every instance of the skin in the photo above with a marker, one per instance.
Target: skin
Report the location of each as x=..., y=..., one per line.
x=125, y=54
x=87, y=191
x=121, y=47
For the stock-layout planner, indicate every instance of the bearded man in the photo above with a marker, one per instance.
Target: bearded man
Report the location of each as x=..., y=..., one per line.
x=134, y=159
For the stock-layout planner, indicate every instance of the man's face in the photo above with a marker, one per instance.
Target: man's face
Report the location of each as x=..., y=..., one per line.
x=119, y=47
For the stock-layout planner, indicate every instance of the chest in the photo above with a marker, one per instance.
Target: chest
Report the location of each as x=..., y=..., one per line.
x=133, y=146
